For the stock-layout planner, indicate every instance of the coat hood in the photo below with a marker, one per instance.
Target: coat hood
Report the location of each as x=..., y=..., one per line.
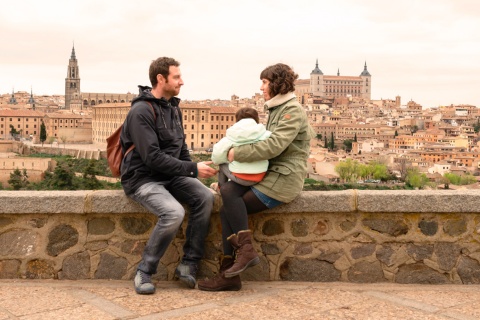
x=247, y=131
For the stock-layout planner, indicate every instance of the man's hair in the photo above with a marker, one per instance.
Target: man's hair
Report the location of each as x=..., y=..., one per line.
x=247, y=112
x=282, y=78
x=161, y=66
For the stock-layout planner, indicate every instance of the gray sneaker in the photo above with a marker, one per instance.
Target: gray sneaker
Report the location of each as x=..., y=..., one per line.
x=143, y=283
x=187, y=273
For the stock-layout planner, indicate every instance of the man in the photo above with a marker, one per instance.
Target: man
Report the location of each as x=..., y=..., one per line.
x=160, y=175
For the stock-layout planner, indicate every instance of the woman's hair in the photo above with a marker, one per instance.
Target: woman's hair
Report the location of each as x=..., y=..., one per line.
x=161, y=66
x=247, y=112
x=282, y=79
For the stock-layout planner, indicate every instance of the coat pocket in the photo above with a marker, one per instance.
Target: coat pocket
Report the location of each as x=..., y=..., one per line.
x=274, y=175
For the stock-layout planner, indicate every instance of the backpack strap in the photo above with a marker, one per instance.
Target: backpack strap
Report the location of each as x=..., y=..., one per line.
x=154, y=116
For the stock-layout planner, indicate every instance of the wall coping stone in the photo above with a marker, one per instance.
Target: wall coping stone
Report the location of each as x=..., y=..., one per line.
x=346, y=201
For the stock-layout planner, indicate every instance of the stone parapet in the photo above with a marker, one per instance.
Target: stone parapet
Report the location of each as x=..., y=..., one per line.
x=352, y=236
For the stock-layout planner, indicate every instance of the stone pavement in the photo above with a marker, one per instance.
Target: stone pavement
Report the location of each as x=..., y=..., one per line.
x=103, y=299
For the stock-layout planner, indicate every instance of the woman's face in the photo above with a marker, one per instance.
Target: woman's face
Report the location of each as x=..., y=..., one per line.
x=265, y=89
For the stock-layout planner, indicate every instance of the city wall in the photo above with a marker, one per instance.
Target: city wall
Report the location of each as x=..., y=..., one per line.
x=426, y=237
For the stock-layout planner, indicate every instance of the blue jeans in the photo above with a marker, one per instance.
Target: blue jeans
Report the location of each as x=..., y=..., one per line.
x=164, y=199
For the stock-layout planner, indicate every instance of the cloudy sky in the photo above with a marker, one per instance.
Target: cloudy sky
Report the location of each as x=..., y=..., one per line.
x=423, y=50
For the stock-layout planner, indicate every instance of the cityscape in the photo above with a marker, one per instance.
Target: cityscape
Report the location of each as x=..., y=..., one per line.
x=348, y=121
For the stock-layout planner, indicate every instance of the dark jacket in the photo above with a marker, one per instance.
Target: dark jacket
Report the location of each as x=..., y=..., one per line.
x=160, y=151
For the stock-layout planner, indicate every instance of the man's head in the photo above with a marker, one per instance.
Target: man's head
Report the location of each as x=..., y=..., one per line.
x=165, y=77
x=247, y=112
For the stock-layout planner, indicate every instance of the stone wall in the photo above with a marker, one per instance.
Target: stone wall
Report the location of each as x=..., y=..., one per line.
x=352, y=236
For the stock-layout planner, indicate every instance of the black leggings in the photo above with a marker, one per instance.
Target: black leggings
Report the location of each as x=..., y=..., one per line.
x=238, y=202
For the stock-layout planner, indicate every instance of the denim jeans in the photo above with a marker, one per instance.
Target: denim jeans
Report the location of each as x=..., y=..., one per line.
x=165, y=199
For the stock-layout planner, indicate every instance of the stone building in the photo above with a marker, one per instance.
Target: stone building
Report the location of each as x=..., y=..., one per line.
x=204, y=125
x=27, y=122
x=335, y=86
x=76, y=99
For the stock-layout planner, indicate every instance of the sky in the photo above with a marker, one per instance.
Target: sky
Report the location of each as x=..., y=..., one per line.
x=427, y=51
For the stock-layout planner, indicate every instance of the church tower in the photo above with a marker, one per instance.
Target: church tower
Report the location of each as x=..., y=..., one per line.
x=73, y=97
x=316, y=82
x=366, y=83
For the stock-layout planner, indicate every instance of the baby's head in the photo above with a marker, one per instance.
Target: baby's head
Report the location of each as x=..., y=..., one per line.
x=247, y=112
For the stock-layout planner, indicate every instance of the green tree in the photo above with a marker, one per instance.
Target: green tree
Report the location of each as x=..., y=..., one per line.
x=325, y=145
x=347, y=143
x=43, y=133
x=456, y=179
x=18, y=179
x=476, y=128
x=63, y=177
x=415, y=179
x=355, y=137
x=332, y=142
x=348, y=170
x=380, y=171
x=90, y=181
x=396, y=133
x=13, y=132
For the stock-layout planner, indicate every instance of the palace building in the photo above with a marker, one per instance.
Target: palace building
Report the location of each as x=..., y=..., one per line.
x=334, y=86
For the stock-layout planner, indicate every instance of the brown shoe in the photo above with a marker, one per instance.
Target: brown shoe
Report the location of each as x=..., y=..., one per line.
x=219, y=282
x=245, y=256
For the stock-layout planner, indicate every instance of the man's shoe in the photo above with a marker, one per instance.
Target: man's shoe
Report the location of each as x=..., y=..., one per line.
x=187, y=273
x=143, y=283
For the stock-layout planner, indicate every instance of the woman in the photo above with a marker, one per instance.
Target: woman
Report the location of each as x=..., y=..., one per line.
x=287, y=150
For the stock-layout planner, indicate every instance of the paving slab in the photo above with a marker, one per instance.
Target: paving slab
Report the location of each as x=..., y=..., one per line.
x=105, y=300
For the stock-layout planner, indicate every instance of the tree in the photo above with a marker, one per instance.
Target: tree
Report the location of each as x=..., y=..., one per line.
x=332, y=141
x=396, y=133
x=13, y=131
x=403, y=165
x=63, y=177
x=476, y=128
x=348, y=170
x=355, y=137
x=43, y=133
x=64, y=140
x=90, y=181
x=50, y=140
x=18, y=179
x=325, y=145
x=348, y=144
x=415, y=179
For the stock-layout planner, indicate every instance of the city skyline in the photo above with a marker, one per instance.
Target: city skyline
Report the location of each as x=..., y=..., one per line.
x=424, y=51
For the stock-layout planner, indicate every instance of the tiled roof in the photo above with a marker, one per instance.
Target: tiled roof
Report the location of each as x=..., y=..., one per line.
x=21, y=113
x=63, y=116
x=228, y=110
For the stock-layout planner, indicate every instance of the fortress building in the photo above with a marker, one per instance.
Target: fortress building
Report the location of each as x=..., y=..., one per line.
x=335, y=86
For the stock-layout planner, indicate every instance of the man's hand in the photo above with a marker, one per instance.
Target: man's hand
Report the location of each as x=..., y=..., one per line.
x=231, y=154
x=204, y=170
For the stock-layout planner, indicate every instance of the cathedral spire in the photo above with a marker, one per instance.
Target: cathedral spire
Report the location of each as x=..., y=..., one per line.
x=31, y=100
x=365, y=72
x=73, y=57
x=12, y=99
x=316, y=70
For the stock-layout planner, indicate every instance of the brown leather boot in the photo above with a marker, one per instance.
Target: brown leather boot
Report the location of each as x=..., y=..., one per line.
x=219, y=282
x=245, y=256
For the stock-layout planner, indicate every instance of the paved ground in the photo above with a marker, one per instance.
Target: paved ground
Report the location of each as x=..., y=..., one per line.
x=101, y=299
